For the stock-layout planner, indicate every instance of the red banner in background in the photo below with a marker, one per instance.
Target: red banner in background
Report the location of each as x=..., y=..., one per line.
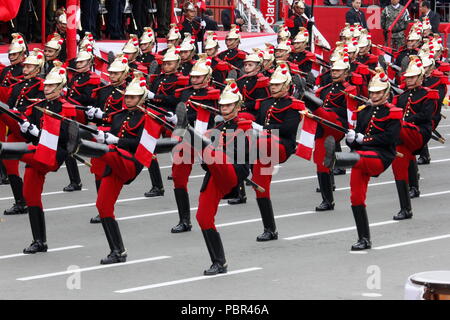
x=9, y=9
x=268, y=9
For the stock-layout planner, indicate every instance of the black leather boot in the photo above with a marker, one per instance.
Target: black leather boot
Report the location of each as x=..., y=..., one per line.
x=112, y=232
x=37, y=222
x=242, y=198
x=157, y=189
x=338, y=171
x=96, y=219
x=216, y=252
x=19, y=207
x=405, y=202
x=362, y=226
x=424, y=157
x=413, y=173
x=326, y=191
x=3, y=174
x=270, y=229
x=184, y=211
x=74, y=175
x=332, y=182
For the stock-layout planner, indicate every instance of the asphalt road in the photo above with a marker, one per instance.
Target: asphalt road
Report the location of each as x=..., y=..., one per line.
x=310, y=260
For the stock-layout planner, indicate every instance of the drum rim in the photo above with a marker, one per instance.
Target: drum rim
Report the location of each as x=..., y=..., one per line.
x=429, y=284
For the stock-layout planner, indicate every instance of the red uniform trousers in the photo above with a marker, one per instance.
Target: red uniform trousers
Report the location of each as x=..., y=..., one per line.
x=12, y=166
x=123, y=169
x=263, y=168
x=319, y=148
x=411, y=141
x=369, y=165
x=222, y=181
x=183, y=159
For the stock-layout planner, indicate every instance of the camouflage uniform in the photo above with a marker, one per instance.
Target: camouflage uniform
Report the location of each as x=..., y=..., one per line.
x=388, y=16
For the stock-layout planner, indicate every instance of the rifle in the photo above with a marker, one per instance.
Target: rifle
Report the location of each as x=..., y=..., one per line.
x=5, y=109
x=155, y=117
x=60, y=117
x=204, y=106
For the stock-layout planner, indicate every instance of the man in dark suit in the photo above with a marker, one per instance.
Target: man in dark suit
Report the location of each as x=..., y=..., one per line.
x=425, y=10
x=211, y=24
x=226, y=17
x=355, y=15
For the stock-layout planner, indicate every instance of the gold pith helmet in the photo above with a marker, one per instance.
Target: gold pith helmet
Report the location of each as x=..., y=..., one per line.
x=211, y=40
x=437, y=43
x=342, y=63
x=174, y=33
x=365, y=39
x=17, y=44
x=230, y=93
x=426, y=47
x=85, y=54
x=351, y=46
x=234, y=33
x=299, y=4
x=58, y=75
x=417, y=25
x=172, y=54
x=426, y=25
x=415, y=67
x=427, y=58
x=202, y=66
x=284, y=45
x=269, y=52
x=337, y=51
x=302, y=35
x=379, y=81
x=188, y=43
x=55, y=42
x=35, y=58
x=120, y=64
x=148, y=36
x=357, y=30
x=189, y=6
x=256, y=56
x=137, y=87
x=281, y=74
x=415, y=34
x=132, y=46
x=283, y=33
x=345, y=32
x=87, y=39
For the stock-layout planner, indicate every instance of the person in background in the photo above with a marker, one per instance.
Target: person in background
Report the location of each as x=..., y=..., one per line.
x=355, y=15
x=225, y=16
x=435, y=19
x=388, y=16
x=211, y=24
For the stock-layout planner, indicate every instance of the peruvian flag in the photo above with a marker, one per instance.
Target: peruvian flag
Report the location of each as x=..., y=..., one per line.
x=9, y=9
x=150, y=134
x=306, y=143
x=201, y=124
x=48, y=142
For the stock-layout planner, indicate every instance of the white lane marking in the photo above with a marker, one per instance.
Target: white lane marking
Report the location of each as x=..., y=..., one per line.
x=309, y=235
x=49, y=250
x=358, y=252
x=198, y=176
x=444, y=126
x=78, y=165
x=160, y=213
x=370, y=185
x=171, y=283
x=434, y=194
x=55, y=274
x=441, y=160
x=371, y=295
x=294, y=179
x=44, y=194
x=406, y=243
x=437, y=147
x=259, y=219
x=82, y=205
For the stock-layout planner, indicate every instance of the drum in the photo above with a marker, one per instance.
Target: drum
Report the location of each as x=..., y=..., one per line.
x=430, y=285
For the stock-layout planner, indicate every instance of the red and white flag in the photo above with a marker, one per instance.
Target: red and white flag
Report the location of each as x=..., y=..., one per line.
x=201, y=123
x=9, y=9
x=306, y=143
x=147, y=144
x=48, y=142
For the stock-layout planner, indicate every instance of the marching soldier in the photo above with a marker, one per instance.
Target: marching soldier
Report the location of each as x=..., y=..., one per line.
x=173, y=38
x=79, y=92
x=277, y=122
x=283, y=34
x=412, y=47
x=372, y=145
x=364, y=55
x=23, y=94
x=115, y=148
x=300, y=56
x=223, y=173
x=198, y=92
x=146, y=44
x=298, y=18
x=268, y=60
x=131, y=49
x=418, y=104
x=53, y=51
x=187, y=54
x=109, y=100
x=219, y=67
x=36, y=169
x=233, y=55
x=191, y=23
x=335, y=109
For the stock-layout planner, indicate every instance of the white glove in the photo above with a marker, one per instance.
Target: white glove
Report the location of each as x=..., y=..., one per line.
x=257, y=127
x=24, y=126
x=93, y=112
x=28, y=127
x=203, y=24
x=150, y=95
x=172, y=118
x=359, y=138
x=350, y=136
x=100, y=137
x=111, y=139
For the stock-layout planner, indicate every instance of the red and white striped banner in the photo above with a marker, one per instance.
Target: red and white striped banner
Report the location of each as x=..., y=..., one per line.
x=48, y=142
x=150, y=135
x=305, y=145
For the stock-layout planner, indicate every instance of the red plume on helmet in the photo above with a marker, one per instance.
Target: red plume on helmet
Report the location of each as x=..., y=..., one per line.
x=142, y=82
